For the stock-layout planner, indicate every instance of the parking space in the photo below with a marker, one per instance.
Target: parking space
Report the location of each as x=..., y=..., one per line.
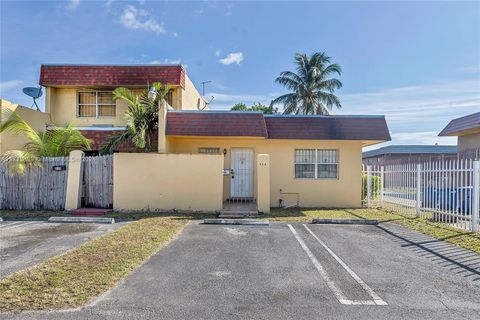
x=290, y=271
x=26, y=243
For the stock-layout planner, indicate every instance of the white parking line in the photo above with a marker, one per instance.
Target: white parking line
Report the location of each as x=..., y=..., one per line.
x=331, y=285
x=18, y=225
x=378, y=301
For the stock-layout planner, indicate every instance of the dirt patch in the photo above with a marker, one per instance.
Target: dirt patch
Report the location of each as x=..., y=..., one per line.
x=58, y=230
x=21, y=242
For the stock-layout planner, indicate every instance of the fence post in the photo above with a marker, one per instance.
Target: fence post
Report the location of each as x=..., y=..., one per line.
x=263, y=183
x=74, y=180
x=369, y=185
x=418, y=200
x=382, y=175
x=475, y=195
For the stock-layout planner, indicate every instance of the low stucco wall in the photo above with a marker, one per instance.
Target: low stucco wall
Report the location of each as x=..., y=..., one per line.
x=167, y=181
x=36, y=119
x=344, y=192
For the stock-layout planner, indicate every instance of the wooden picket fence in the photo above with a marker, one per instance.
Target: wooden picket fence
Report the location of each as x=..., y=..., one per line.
x=44, y=187
x=39, y=188
x=98, y=181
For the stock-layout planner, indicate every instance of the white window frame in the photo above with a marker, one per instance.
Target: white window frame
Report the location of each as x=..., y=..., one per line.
x=316, y=164
x=96, y=104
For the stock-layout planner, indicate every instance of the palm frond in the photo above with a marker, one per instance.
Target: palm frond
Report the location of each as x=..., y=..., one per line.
x=311, y=88
x=112, y=143
x=15, y=125
x=17, y=161
x=125, y=94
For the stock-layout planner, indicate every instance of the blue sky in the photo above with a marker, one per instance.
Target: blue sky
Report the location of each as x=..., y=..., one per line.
x=416, y=62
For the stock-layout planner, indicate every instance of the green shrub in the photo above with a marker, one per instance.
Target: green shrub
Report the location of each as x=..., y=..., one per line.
x=375, y=187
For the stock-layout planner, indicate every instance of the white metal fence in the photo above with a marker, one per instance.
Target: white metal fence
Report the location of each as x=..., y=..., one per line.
x=444, y=191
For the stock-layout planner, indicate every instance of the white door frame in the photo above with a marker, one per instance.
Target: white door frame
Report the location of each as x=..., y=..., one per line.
x=241, y=182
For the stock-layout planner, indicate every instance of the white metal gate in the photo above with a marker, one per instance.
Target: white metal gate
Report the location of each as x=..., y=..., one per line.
x=444, y=191
x=241, y=185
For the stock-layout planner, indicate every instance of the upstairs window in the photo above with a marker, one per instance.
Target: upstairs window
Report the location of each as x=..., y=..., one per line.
x=316, y=164
x=169, y=98
x=96, y=104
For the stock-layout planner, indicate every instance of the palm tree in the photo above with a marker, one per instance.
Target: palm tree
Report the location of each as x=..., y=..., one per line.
x=54, y=142
x=141, y=117
x=313, y=89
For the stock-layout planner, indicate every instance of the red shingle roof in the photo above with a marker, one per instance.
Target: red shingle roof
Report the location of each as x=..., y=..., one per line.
x=252, y=124
x=216, y=124
x=327, y=127
x=95, y=75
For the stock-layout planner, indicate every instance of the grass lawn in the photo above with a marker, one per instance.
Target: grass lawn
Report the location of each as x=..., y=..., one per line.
x=436, y=230
x=76, y=277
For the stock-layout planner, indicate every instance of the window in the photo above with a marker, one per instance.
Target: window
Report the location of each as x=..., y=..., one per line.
x=169, y=98
x=96, y=104
x=316, y=164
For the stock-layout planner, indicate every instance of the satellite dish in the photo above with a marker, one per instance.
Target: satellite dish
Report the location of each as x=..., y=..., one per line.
x=35, y=93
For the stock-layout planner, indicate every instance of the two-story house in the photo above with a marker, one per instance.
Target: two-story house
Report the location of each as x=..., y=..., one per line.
x=82, y=95
x=316, y=161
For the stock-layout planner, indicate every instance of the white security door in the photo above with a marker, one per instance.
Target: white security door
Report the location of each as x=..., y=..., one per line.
x=241, y=185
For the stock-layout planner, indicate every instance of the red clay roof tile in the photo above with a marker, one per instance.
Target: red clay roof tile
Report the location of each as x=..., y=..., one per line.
x=111, y=75
x=216, y=124
x=208, y=123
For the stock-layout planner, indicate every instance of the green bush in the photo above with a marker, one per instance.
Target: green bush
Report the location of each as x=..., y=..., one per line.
x=375, y=187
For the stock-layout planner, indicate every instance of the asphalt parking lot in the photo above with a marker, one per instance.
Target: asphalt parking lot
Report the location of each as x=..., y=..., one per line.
x=294, y=271
x=26, y=243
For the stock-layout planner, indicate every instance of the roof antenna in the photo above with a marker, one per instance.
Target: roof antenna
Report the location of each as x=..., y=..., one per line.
x=35, y=93
x=207, y=102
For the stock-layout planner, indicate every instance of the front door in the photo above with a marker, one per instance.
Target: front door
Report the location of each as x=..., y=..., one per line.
x=241, y=185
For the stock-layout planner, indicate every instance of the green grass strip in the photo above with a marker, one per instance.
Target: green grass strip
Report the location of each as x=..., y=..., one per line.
x=76, y=277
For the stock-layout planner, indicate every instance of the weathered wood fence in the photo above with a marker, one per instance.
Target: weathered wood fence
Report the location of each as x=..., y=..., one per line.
x=44, y=187
x=39, y=188
x=98, y=181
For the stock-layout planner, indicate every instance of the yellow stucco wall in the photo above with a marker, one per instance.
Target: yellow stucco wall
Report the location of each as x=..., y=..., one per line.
x=469, y=142
x=342, y=192
x=36, y=119
x=191, y=98
x=62, y=103
x=167, y=181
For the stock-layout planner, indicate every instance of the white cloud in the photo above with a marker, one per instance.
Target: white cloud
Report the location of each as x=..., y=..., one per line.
x=472, y=69
x=234, y=57
x=138, y=19
x=405, y=138
x=218, y=85
x=427, y=137
x=229, y=7
x=166, y=61
x=108, y=3
x=416, y=114
x=72, y=5
x=9, y=85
